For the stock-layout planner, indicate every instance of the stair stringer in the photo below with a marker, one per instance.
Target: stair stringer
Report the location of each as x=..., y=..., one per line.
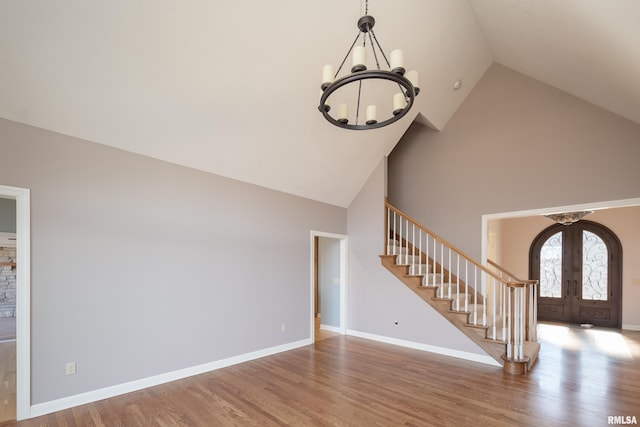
x=460, y=320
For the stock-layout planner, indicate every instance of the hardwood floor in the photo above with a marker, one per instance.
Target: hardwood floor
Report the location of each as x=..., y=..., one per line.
x=7, y=381
x=581, y=378
x=322, y=334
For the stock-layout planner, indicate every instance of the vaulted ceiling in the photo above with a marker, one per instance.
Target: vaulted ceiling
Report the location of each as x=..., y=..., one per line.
x=232, y=87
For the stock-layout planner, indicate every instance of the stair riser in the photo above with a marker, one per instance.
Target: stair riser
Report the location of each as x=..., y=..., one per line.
x=408, y=259
x=420, y=269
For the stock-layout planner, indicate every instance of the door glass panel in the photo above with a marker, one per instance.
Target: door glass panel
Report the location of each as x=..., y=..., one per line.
x=594, y=267
x=551, y=267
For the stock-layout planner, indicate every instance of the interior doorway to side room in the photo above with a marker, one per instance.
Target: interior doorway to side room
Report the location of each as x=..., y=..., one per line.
x=8, y=294
x=329, y=285
x=22, y=343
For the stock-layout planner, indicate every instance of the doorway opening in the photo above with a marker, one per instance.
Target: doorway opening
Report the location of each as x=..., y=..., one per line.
x=7, y=309
x=579, y=269
x=23, y=298
x=328, y=285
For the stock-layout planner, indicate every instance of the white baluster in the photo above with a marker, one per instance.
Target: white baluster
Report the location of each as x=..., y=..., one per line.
x=395, y=233
x=466, y=285
x=475, y=293
x=406, y=242
x=413, y=248
x=516, y=326
x=518, y=319
x=458, y=283
x=486, y=298
x=503, y=291
x=530, y=320
x=420, y=249
x=400, y=239
x=449, y=268
x=510, y=318
x=426, y=245
x=386, y=243
x=442, y=268
x=494, y=303
x=523, y=314
x=435, y=260
x=534, y=321
x=509, y=343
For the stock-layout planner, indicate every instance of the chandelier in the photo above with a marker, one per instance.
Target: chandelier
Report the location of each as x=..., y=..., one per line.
x=568, y=218
x=365, y=87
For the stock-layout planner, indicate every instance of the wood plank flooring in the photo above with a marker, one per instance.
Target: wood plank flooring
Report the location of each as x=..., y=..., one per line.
x=322, y=334
x=581, y=378
x=7, y=381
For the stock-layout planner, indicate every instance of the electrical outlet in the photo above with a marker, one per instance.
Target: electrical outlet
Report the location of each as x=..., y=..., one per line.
x=70, y=368
x=284, y=327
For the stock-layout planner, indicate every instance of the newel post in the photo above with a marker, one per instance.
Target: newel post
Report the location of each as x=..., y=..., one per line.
x=518, y=319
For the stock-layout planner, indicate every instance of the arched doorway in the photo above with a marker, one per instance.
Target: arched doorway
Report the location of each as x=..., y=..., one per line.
x=579, y=268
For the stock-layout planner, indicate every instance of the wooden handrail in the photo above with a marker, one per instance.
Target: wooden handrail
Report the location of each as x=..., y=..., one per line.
x=448, y=245
x=510, y=274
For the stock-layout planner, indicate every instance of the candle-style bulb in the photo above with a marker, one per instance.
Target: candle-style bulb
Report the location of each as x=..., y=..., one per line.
x=371, y=115
x=412, y=76
x=359, y=60
x=399, y=103
x=397, y=61
x=327, y=76
x=342, y=114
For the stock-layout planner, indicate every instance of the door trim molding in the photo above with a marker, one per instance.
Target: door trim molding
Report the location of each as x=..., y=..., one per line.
x=22, y=197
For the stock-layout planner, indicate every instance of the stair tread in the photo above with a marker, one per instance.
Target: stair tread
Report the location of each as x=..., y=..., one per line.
x=496, y=341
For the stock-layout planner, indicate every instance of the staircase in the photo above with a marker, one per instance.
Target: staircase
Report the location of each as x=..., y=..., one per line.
x=488, y=304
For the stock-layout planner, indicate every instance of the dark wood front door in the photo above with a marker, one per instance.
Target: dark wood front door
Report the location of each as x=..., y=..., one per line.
x=579, y=268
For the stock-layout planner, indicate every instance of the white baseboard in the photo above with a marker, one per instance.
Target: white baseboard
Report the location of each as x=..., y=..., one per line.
x=117, y=390
x=631, y=327
x=330, y=328
x=105, y=393
x=488, y=360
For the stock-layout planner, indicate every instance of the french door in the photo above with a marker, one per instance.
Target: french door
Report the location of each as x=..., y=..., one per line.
x=579, y=269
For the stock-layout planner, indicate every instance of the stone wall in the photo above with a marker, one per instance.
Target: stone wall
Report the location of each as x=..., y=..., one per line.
x=7, y=282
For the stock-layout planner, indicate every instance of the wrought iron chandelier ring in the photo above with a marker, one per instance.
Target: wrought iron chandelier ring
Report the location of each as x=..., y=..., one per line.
x=357, y=77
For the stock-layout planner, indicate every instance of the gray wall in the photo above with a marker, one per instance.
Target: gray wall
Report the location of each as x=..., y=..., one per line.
x=515, y=144
x=376, y=298
x=141, y=267
x=328, y=274
x=7, y=216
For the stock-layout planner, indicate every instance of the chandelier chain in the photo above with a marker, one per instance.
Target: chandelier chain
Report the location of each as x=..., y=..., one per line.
x=379, y=47
x=358, y=106
x=364, y=43
x=375, y=55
